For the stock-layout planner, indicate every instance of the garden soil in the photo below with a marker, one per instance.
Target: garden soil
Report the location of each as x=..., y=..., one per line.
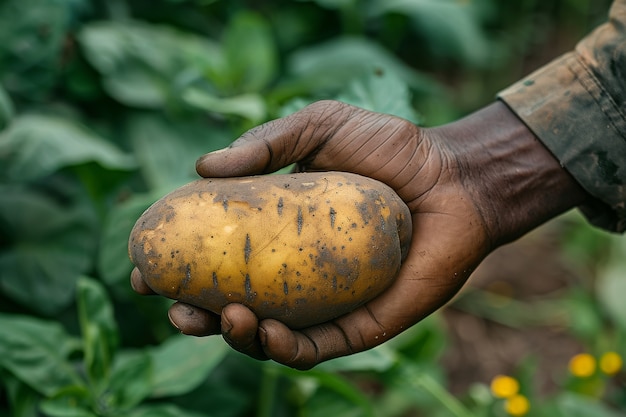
x=498, y=331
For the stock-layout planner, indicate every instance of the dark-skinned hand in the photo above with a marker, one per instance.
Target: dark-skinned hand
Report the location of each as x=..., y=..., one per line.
x=471, y=186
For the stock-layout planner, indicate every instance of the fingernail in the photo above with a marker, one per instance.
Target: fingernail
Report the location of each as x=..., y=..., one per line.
x=226, y=325
x=169, y=316
x=262, y=336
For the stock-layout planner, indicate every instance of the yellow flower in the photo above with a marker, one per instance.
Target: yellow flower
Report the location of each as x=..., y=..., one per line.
x=611, y=363
x=504, y=386
x=582, y=365
x=517, y=405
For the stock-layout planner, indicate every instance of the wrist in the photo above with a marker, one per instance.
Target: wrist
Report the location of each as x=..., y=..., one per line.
x=514, y=180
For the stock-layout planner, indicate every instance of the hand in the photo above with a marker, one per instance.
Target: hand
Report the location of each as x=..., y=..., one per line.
x=471, y=186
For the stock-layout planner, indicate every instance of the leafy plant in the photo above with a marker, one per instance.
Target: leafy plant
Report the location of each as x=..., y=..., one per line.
x=106, y=105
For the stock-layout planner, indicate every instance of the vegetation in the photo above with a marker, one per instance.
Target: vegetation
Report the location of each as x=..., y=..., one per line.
x=104, y=108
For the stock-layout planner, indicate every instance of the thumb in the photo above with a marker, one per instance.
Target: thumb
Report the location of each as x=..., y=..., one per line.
x=275, y=144
x=249, y=157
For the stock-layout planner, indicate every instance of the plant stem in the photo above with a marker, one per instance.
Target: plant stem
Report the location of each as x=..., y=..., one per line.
x=429, y=384
x=267, y=391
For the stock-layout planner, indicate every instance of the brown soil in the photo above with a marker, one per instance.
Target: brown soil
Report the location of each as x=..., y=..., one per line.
x=531, y=270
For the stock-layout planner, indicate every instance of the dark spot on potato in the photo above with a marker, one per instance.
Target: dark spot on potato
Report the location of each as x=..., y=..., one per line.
x=332, y=214
x=247, y=249
x=248, y=287
x=300, y=220
x=285, y=288
x=184, y=284
x=279, y=207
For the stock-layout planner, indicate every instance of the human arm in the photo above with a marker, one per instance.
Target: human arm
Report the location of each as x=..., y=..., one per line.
x=576, y=105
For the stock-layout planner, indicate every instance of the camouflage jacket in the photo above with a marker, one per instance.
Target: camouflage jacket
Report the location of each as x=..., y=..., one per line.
x=576, y=106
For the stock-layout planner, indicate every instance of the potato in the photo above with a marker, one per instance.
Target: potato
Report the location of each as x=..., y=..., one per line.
x=300, y=248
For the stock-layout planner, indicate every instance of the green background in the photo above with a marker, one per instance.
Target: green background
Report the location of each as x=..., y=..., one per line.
x=106, y=105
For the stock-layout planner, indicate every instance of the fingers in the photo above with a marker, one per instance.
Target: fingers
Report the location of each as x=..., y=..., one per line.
x=239, y=328
x=194, y=321
x=138, y=284
x=276, y=144
x=237, y=324
x=302, y=349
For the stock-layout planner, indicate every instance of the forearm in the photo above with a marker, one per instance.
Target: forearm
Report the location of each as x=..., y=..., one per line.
x=576, y=105
x=515, y=180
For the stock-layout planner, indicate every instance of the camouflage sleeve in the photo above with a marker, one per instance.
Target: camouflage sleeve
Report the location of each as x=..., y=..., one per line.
x=576, y=105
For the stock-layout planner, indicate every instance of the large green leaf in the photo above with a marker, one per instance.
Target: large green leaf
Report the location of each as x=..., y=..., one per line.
x=130, y=381
x=23, y=401
x=144, y=65
x=98, y=328
x=37, y=145
x=181, y=363
x=65, y=407
x=6, y=108
x=49, y=241
x=383, y=92
x=113, y=263
x=165, y=410
x=32, y=36
x=250, y=106
x=37, y=353
x=451, y=28
x=167, y=152
x=328, y=67
x=380, y=359
x=251, y=53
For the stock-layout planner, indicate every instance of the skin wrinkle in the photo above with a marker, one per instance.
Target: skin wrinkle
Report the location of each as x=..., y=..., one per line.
x=329, y=123
x=346, y=338
x=391, y=158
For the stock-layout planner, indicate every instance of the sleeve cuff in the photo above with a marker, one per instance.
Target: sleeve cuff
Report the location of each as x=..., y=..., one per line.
x=579, y=122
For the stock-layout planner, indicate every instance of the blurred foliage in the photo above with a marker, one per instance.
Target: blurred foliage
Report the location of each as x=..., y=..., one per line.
x=105, y=106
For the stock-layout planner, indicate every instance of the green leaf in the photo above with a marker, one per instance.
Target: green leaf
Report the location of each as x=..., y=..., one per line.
x=114, y=266
x=250, y=52
x=23, y=401
x=381, y=91
x=6, y=108
x=328, y=67
x=37, y=353
x=144, y=65
x=332, y=394
x=32, y=36
x=181, y=363
x=379, y=359
x=249, y=106
x=327, y=402
x=130, y=381
x=37, y=145
x=98, y=328
x=49, y=243
x=451, y=28
x=167, y=152
x=165, y=410
x=572, y=405
x=611, y=284
x=64, y=407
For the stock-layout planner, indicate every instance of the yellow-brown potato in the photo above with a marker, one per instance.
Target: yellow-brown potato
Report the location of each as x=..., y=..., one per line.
x=301, y=248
